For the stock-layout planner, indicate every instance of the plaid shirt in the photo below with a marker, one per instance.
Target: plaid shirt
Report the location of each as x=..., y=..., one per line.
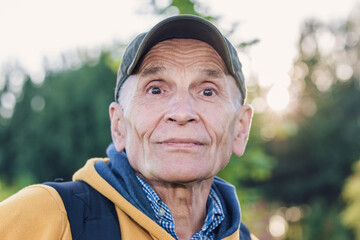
x=215, y=214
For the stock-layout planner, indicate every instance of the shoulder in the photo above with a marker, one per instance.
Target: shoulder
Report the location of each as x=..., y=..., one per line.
x=41, y=196
x=34, y=210
x=34, y=196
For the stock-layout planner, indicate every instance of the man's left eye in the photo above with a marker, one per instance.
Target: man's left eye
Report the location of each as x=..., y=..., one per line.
x=208, y=92
x=155, y=90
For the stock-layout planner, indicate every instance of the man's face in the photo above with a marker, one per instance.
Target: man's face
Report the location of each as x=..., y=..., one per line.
x=179, y=121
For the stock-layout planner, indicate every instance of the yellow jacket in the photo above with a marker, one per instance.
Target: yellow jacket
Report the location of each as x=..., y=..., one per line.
x=38, y=213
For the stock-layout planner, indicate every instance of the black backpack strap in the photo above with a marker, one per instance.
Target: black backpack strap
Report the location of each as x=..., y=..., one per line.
x=90, y=214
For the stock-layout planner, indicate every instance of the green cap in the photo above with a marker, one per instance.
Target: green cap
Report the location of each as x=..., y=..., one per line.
x=180, y=26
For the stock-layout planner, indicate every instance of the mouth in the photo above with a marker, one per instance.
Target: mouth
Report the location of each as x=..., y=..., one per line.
x=181, y=142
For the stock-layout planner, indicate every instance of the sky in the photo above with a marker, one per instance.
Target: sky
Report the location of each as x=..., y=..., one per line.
x=32, y=30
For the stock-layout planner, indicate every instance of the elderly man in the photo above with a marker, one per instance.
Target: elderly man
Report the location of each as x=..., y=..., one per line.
x=178, y=115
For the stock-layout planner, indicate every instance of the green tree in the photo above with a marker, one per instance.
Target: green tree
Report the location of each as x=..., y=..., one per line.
x=313, y=164
x=351, y=195
x=58, y=125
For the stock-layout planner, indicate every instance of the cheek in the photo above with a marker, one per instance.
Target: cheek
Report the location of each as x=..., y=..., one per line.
x=221, y=130
x=141, y=120
x=219, y=126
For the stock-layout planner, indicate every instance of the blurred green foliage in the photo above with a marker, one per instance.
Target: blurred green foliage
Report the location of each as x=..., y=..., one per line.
x=255, y=165
x=58, y=124
x=192, y=7
x=313, y=164
x=323, y=222
x=351, y=195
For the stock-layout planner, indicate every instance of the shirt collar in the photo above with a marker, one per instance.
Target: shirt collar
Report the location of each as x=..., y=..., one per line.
x=215, y=214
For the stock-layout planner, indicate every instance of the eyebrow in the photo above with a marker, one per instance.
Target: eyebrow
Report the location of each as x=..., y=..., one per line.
x=152, y=70
x=212, y=73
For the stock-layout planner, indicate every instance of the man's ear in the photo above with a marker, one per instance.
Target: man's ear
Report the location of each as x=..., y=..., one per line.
x=117, y=126
x=242, y=129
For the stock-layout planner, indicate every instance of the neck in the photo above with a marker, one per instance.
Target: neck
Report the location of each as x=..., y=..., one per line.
x=187, y=204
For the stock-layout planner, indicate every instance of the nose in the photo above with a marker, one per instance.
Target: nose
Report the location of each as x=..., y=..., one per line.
x=181, y=110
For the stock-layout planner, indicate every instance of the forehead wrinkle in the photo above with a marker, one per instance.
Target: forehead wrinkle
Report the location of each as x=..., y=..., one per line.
x=187, y=49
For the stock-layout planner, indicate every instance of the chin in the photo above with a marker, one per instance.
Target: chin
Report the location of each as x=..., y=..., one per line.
x=181, y=176
x=178, y=168
x=182, y=180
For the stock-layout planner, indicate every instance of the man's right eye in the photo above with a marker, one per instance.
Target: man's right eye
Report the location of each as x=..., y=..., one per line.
x=155, y=90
